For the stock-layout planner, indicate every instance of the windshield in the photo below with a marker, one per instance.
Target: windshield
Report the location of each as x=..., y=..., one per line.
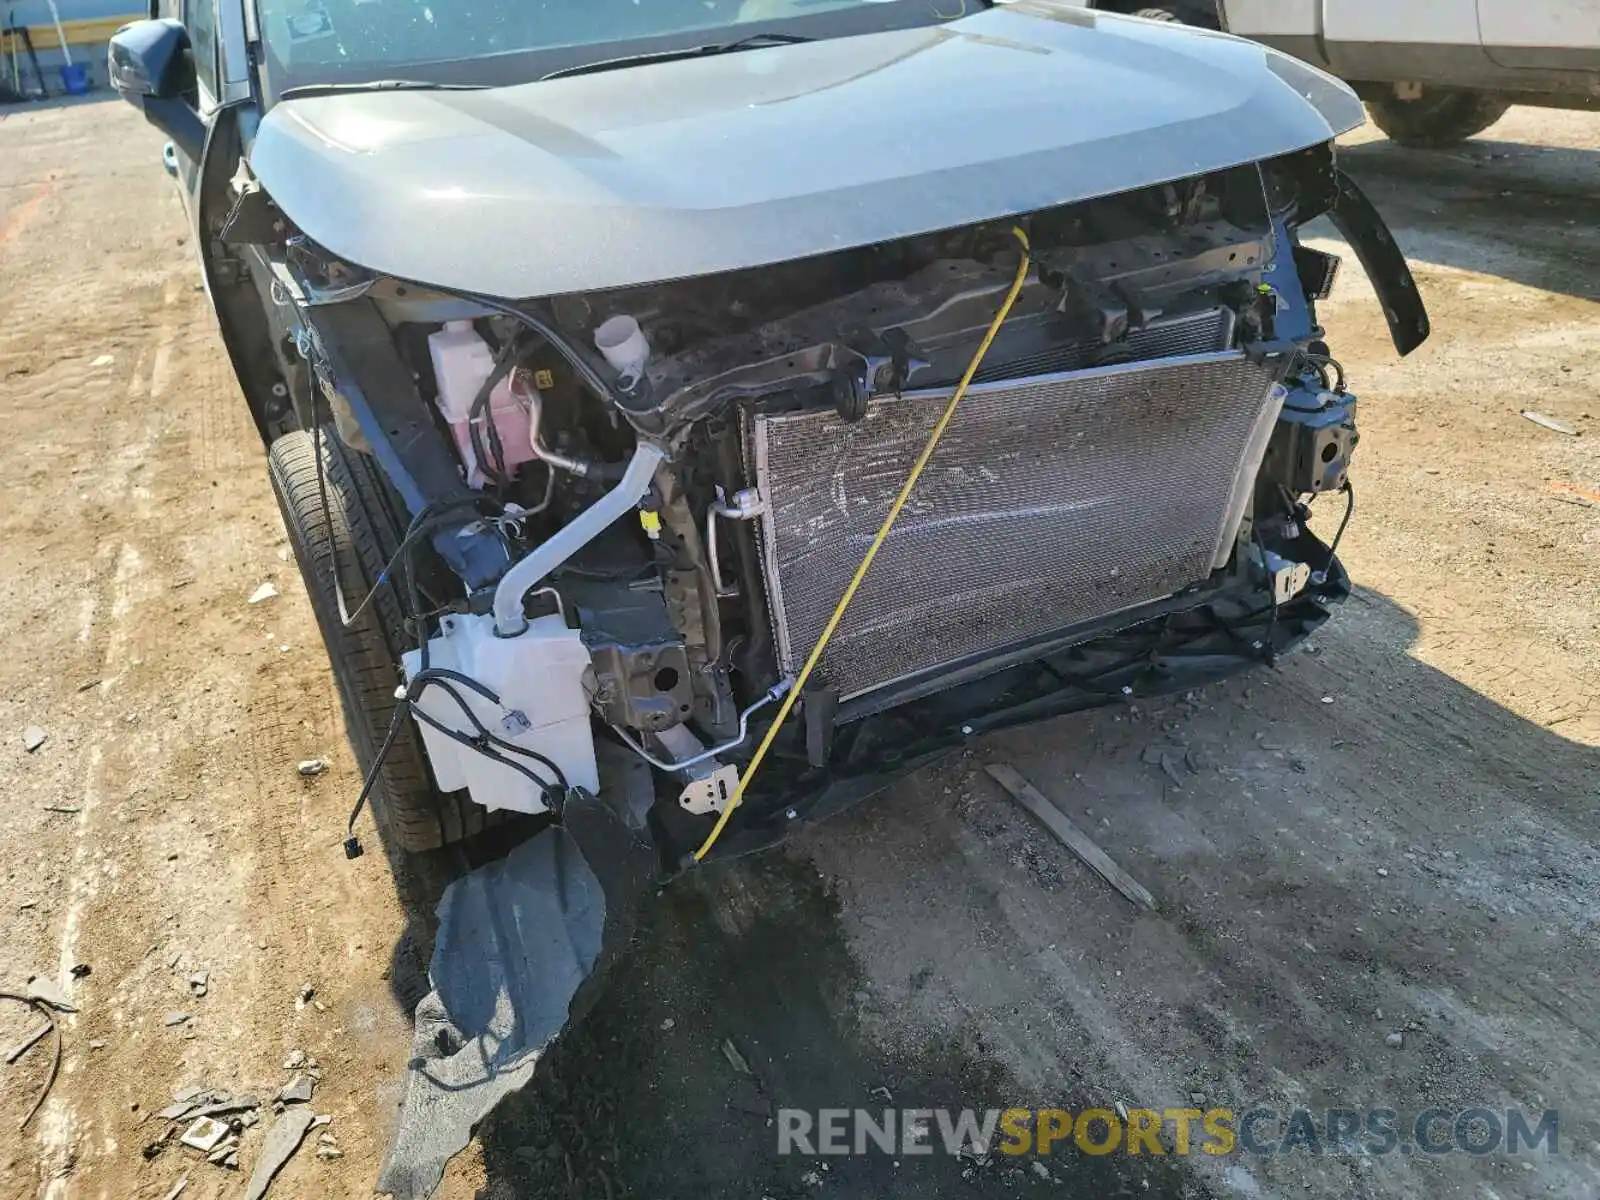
x=511, y=41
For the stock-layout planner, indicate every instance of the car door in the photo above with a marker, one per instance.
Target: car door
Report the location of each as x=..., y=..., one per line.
x=199, y=17
x=1559, y=35
x=1388, y=40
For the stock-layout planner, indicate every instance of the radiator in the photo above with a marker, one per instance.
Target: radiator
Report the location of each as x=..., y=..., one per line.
x=1052, y=500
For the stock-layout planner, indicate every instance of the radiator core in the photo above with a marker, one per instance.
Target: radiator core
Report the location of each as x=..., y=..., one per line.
x=1052, y=500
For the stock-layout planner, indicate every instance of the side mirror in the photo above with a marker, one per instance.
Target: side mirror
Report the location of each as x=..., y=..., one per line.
x=151, y=59
x=151, y=66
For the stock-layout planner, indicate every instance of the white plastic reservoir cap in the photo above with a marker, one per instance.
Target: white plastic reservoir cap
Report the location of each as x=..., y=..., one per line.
x=623, y=343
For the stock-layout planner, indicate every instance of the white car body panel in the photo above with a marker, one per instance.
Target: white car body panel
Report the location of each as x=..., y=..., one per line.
x=1543, y=51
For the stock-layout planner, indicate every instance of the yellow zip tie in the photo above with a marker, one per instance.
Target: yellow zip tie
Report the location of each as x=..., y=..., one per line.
x=872, y=551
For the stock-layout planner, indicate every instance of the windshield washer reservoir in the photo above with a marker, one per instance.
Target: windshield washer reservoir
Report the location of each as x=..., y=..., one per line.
x=538, y=676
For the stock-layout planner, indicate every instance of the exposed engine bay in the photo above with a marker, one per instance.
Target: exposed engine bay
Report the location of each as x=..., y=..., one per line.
x=636, y=510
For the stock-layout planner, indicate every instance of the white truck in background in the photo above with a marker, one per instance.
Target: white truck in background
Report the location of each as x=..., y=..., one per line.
x=1434, y=72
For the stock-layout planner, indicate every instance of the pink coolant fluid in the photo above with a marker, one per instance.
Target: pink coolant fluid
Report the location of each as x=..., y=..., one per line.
x=462, y=361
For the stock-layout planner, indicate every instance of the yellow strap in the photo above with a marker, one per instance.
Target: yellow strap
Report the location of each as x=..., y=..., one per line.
x=877, y=544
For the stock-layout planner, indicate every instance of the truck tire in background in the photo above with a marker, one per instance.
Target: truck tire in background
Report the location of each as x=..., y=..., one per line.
x=359, y=533
x=1202, y=13
x=1439, y=117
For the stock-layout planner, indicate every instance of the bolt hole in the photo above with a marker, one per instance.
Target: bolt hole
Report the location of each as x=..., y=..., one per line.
x=1330, y=452
x=666, y=679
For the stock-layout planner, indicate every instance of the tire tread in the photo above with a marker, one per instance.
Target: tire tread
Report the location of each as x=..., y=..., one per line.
x=366, y=529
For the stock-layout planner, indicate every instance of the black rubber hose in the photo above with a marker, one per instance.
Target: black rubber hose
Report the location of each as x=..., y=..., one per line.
x=503, y=363
x=576, y=357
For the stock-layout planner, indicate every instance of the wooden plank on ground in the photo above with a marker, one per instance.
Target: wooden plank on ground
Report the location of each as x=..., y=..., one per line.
x=1075, y=839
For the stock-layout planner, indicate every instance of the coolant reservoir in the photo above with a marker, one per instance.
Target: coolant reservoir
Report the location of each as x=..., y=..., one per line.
x=462, y=361
x=543, y=707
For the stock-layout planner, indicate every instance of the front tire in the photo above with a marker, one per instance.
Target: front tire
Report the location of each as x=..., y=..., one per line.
x=356, y=535
x=1439, y=117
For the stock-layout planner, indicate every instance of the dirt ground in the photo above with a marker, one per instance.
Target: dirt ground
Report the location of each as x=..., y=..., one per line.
x=1393, y=832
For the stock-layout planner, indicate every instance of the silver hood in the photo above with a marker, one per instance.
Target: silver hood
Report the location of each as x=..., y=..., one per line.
x=696, y=166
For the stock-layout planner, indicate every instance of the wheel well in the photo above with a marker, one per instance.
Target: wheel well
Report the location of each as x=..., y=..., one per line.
x=1190, y=12
x=267, y=379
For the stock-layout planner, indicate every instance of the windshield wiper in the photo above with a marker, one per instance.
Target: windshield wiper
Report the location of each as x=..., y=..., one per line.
x=754, y=42
x=378, y=85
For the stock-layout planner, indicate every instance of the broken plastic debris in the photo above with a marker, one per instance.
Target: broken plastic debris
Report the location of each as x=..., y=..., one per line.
x=102, y=360
x=28, y=1042
x=40, y=988
x=265, y=592
x=736, y=1060
x=1550, y=423
x=204, y=1135
x=313, y=766
x=32, y=738
x=298, y=1090
x=219, y=1156
x=283, y=1139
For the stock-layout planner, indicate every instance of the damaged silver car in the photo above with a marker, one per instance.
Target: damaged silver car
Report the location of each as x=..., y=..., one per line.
x=723, y=407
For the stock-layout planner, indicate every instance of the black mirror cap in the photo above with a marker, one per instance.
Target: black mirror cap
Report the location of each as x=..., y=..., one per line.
x=151, y=60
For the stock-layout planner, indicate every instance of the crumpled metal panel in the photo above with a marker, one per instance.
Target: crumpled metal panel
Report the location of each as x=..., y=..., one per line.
x=1050, y=501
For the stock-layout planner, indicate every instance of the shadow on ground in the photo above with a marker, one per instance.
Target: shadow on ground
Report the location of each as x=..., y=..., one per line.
x=1488, y=207
x=751, y=963
x=742, y=967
